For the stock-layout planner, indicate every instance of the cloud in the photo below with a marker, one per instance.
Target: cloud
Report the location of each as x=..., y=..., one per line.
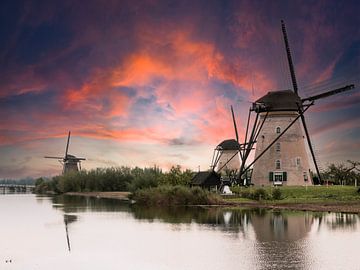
x=159, y=74
x=333, y=126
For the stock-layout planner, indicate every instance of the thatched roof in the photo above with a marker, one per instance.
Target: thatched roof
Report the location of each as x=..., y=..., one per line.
x=285, y=100
x=206, y=178
x=228, y=145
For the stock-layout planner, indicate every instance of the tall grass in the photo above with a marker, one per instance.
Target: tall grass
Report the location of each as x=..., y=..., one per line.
x=114, y=179
x=175, y=195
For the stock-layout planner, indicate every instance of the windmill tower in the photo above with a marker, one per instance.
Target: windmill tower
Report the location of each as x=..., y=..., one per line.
x=281, y=132
x=70, y=163
x=226, y=157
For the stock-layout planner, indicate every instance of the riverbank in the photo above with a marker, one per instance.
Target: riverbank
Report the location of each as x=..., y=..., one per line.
x=343, y=207
x=352, y=206
x=118, y=195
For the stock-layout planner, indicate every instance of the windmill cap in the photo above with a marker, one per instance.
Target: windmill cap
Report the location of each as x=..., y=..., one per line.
x=284, y=100
x=228, y=145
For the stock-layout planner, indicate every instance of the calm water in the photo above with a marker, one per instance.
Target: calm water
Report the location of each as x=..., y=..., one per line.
x=88, y=233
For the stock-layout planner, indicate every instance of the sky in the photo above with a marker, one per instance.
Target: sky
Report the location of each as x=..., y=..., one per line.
x=144, y=83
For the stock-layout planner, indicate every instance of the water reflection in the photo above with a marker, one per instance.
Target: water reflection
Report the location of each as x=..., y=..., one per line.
x=39, y=233
x=280, y=235
x=337, y=221
x=268, y=225
x=68, y=219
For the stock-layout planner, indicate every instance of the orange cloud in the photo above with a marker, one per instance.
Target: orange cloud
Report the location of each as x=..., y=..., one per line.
x=89, y=97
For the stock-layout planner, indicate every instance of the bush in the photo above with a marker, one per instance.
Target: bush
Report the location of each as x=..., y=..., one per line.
x=276, y=194
x=175, y=195
x=115, y=179
x=260, y=194
x=236, y=189
x=245, y=193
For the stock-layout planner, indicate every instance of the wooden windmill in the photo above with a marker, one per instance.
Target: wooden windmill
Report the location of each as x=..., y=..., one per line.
x=280, y=133
x=70, y=163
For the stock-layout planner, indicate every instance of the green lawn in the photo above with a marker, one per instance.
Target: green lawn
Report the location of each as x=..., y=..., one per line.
x=305, y=194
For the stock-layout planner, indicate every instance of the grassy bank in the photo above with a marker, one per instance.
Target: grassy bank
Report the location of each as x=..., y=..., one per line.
x=175, y=195
x=311, y=194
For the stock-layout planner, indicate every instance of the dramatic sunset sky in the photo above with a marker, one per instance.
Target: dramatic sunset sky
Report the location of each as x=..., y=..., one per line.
x=151, y=82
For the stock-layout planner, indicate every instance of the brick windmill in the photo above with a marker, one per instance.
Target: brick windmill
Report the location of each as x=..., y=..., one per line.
x=280, y=133
x=226, y=156
x=70, y=163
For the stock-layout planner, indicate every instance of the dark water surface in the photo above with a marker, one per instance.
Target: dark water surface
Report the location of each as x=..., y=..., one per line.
x=67, y=232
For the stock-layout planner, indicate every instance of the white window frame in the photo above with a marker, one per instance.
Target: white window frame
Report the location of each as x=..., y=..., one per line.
x=278, y=178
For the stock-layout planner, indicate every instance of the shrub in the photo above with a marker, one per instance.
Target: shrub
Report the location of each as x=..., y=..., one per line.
x=175, y=195
x=276, y=194
x=260, y=194
x=236, y=189
x=115, y=179
x=245, y=193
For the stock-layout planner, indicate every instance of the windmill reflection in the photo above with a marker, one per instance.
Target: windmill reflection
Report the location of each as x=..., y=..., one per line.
x=67, y=220
x=280, y=238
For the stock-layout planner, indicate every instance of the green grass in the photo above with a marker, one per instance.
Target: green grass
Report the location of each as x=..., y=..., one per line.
x=311, y=194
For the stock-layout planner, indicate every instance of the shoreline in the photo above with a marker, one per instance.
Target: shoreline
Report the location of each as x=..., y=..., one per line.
x=117, y=195
x=351, y=207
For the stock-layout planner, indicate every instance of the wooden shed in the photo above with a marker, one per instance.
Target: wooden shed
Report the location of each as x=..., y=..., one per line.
x=207, y=179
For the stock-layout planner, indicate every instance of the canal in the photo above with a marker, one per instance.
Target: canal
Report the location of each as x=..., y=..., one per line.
x=69, y=232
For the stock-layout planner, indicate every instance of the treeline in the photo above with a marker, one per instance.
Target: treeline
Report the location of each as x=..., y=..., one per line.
x=343, y=174
x=114, y=179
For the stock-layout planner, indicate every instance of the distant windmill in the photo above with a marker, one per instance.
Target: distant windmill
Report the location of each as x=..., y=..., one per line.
x=280, y=155
x=226, y=157
x=70, y=163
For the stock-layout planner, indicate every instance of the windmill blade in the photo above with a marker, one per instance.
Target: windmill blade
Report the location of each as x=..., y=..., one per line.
x=67, y=145
x=330, y=93
x=75, y=158
x=233, y=117
x=288, y=53
x=54, y=157
x=310, y=145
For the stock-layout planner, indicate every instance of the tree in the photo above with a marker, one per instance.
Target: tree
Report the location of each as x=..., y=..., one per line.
x=341, y=174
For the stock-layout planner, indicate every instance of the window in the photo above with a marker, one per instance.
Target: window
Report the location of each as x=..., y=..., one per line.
x=305, y=177
x=278, y=130
x=298, y=161
x=278, y=164
x=278, y=177
x=277, y=147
